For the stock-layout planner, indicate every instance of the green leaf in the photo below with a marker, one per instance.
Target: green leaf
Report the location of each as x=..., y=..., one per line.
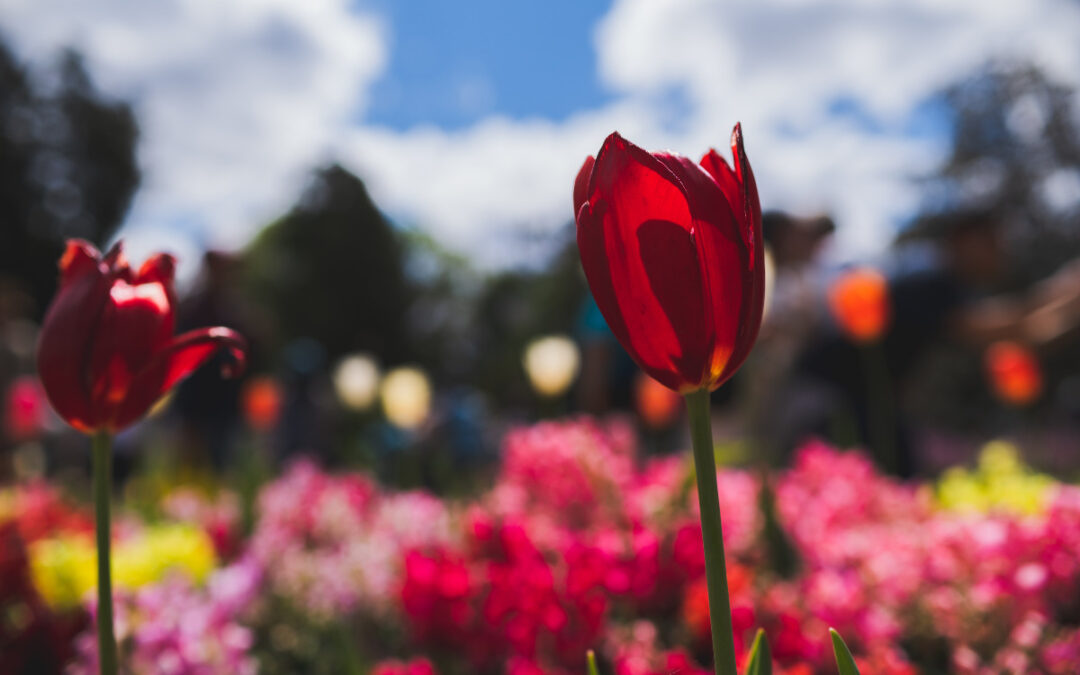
x=760, y=662
x=591, y=658
x=844, y=663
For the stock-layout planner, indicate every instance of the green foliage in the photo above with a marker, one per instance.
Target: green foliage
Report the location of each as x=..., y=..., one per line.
x=760, y=661
x=779, y=550
x=844, y=661
x=590, y=656
x=516, y=306
x=332, y=269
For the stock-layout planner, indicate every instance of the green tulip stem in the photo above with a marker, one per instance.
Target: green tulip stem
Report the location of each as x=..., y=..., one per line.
x=102, y=449
x=697, y=406
x=881, y=412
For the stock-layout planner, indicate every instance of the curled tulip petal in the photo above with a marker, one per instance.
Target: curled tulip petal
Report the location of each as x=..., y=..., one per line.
x=179, y=359
x=672, y=253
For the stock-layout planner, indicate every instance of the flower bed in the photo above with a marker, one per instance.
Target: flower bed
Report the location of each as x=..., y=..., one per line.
x=577, y=545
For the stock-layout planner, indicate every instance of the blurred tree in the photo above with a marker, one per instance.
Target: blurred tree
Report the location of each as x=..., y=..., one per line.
x=332, y=270
x=1014, y=165
x=67, y=167
x=517, y=306
x=1015, y=152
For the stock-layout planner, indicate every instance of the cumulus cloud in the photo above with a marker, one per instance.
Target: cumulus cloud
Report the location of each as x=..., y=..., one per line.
x=236, y=100
x=780, y=66
x=239, y=100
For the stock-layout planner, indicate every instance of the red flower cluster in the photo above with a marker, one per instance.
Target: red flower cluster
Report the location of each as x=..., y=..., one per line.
x=33, y=638
x=414, y=667
x=506, y=600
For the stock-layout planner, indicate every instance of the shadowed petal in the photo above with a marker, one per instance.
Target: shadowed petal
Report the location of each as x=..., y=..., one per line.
x=80, y=258
x=642, y=263
x=581, y=183
x=136, y=323
x=66, y=337
x=179, y=359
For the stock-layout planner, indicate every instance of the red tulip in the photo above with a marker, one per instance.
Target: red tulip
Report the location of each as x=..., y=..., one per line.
x=673, y=254
x=107, y=351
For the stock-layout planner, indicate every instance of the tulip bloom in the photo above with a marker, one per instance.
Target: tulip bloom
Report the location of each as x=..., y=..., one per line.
x=107, y=351
x=859, y=300
x=673, y=254
x=1014, y=372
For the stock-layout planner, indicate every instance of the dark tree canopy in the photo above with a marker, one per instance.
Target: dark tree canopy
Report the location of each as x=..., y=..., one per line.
x=1015, y=153
x=332, y=270
x=67, y=168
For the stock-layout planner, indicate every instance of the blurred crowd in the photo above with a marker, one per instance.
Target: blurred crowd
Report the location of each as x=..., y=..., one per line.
x=943, y=340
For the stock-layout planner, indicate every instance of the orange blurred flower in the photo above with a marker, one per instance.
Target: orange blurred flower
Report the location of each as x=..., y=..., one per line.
x=1014, y=372
x=657, y=405
x=262, y=402
x=859, y=300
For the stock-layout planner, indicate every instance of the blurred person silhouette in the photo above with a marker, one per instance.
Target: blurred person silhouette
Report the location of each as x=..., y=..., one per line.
x=970, y=297
x=792, y=313
x=18, y=335
x=208, y=406
x=308, y=404
x=607, y=371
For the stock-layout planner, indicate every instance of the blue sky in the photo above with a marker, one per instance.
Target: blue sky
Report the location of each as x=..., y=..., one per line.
x=469, y=120
x=451, y=64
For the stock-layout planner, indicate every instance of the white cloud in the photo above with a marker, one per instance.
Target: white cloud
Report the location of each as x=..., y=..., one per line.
x=240, y=99
x=236, y=100
x=779, y=66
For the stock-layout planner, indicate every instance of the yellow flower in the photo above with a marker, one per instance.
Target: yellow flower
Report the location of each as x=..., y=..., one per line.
x=1000, y=482
x=64, y=569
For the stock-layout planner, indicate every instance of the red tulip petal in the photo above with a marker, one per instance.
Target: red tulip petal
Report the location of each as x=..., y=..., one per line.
x=581, y=183
x=723, y=257
x=79, y=259
x=179, y=359
x=118, y=263
x=639, y=255
x=136, y=323
x=64, y=343
x=750, y=322
x=160, y=268
x=739, y=187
